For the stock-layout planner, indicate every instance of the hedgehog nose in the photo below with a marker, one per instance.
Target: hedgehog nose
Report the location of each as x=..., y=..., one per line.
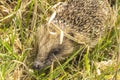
x=36, y=66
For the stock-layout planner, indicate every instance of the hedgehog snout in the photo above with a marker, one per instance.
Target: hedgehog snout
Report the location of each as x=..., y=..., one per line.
x=37, y=65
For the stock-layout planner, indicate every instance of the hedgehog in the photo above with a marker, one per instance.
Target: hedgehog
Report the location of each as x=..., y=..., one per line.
x=73, y=23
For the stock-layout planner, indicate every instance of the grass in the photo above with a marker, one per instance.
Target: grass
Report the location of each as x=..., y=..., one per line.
x=18, y=23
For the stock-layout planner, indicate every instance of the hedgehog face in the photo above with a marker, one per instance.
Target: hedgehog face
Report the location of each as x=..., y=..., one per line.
x=49, y=48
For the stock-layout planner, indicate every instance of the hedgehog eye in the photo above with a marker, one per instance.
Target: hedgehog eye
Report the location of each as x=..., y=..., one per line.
x=56, y=51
